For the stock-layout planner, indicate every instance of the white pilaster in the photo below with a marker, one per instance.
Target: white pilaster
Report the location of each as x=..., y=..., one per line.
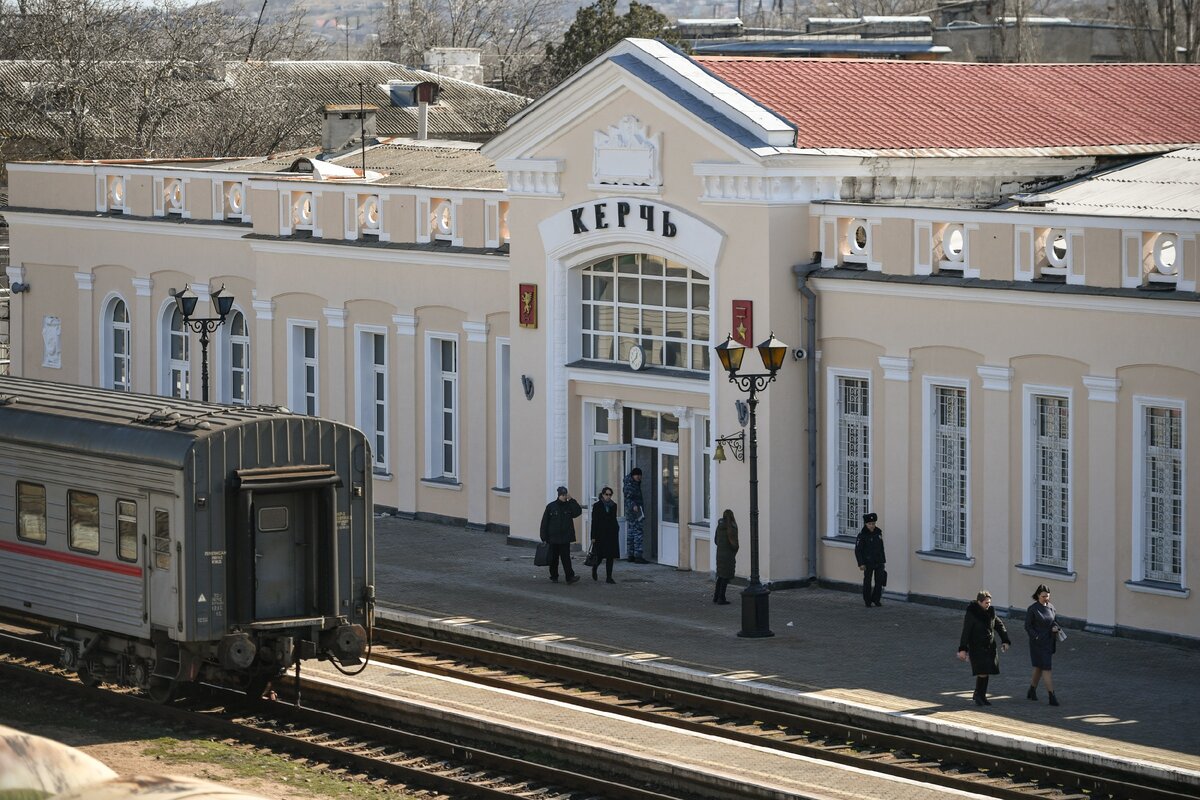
x=995, y=530
x=476, y=444
x=264, y=363
x=86, y=282
x=1101, y=528
x=404, y=412
x=340, y=374
x=898, y=485
x=145, y=324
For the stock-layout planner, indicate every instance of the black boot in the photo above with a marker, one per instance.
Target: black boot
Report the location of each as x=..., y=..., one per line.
x=980, y=688
x=983, y=692
x=1053, y=699
x=1032, y=693
x=595, y=576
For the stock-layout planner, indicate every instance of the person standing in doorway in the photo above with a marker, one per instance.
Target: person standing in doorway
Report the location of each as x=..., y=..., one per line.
x=635, y=515
x=977, y=643
x=606, y=531
x=727, y=547
x=558, y=531
x=868, y=551
x=1041, y=623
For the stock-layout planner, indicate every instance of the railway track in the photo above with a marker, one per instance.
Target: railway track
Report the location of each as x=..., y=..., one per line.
x=694, y=708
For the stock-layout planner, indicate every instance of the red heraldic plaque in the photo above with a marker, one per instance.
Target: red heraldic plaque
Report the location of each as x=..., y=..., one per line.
x=743, y=322
x=527, y=305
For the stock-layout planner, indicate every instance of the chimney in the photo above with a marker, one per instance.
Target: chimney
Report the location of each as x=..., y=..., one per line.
x=347, y=126
x=427, y=94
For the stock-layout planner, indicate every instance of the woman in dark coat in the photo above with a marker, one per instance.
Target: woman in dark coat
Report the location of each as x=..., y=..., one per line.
x=978, y=642
x=727, y=547
x=1042, y=627
x=605, y=534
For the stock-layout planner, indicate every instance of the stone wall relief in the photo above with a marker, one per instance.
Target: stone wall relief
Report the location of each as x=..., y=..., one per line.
x=52, y=342
x=626, y=155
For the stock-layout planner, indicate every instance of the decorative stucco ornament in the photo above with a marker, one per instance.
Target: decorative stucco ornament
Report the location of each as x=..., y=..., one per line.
x=625, y=155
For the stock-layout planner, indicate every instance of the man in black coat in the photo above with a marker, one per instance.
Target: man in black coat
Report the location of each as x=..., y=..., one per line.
x=558, y=531
x=868, y=550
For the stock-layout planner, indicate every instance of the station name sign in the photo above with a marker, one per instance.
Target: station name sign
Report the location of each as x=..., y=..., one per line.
x=622, y=214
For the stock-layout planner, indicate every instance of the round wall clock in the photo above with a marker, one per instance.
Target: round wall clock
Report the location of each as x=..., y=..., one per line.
x=637, y=358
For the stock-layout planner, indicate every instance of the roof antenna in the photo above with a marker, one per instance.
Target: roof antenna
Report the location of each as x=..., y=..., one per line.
x=257, y=25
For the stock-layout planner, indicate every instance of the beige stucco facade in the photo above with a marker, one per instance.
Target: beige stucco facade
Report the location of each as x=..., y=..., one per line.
x=695, y=196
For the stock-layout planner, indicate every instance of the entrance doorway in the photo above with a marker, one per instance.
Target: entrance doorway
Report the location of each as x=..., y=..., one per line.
x=655, y=438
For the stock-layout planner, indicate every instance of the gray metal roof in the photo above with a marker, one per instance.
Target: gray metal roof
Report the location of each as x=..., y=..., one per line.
x=128, y=427
x=1164, y=186
x=450, y=165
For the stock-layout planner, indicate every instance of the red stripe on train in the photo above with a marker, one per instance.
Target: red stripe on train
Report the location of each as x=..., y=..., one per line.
x=72, y=558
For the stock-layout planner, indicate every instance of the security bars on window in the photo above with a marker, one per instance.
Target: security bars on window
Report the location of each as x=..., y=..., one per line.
x=1052, y=482
x=854, y=453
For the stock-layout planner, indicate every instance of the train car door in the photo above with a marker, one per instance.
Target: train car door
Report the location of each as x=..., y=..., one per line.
x=164, y=567
x=279, y=543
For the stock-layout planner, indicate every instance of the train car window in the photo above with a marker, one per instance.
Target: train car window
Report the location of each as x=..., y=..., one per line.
x=162, y=538
x=127, y=533
x=31, y=512
x=83, y=510
x=274, y=518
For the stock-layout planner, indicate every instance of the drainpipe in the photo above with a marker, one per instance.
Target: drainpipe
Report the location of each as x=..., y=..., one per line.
x=803, y=271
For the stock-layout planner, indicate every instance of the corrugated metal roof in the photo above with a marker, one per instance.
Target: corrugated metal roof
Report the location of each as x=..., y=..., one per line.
x=1165, y=186
x=925, y=106
x=448, y=165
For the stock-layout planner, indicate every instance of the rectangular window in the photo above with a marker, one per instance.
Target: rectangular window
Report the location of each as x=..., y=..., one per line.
x=162, y=538
x=31, y=512
x=127, y=532
x=704, y=470
x=303, y=374
x=1051, y=481
x=1162, y=494
x=502, y=414
x=853, y=453
x=373, y=394
x=949, y=467
x=442, y=412
x=83, y=515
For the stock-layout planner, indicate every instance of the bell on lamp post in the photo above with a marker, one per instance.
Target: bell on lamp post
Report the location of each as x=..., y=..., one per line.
x=755, y=597
x=185, y=304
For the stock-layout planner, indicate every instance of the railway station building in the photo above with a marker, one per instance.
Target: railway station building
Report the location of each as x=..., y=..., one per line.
x=986, y=275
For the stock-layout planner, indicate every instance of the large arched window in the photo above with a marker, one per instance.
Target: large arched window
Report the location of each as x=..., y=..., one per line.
x=175, y=355
x=116, y=355
x=648, y=301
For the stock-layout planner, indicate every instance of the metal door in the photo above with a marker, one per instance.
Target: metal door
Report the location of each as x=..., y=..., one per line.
x=278, y=555
x=163, y=567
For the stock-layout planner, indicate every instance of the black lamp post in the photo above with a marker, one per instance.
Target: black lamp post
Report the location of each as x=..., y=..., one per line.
x=756, y=614
x=186, y=305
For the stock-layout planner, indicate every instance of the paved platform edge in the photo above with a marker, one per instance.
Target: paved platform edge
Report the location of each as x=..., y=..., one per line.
x=965, y=735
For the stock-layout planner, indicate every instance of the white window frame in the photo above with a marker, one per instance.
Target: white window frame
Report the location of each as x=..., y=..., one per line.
x=299, y=365
x=228, y=341
x=1138, y=493
x=435, y=378
x=929, y=465
x=1029, y=494
x=503, y=414
x=703, y=448
x=168, y=367
x=369, y=418
x=833, y=473
x=108, y=353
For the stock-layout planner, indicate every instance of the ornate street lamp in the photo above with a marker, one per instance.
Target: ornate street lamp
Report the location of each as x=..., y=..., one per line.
x=756, y=612
x=186, y=305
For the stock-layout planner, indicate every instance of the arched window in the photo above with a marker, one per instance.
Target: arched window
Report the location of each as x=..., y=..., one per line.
x=117, y=347
x=175, y=350
x=647, y=301
x=238, y=352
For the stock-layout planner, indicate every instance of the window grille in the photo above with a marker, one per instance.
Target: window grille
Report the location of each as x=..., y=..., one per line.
x=647, y=301
x=310, y=371
x=120, y=338
x=179, y=364
x=1162, y=494
x=854, y=453
x=377, y=344
x=950, y=469
x=442, y=413
x=239, y=360
x=1052, y=482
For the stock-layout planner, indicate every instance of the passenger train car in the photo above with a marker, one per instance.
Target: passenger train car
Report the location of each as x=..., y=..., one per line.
x=167, y=541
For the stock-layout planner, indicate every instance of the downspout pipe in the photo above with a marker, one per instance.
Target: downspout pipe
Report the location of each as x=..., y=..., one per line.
x=803, y=272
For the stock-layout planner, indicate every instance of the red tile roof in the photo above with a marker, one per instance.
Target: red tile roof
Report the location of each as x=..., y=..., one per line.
x=894, y=105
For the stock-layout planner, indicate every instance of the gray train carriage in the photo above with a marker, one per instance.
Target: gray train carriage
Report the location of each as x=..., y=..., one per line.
x=168, y=541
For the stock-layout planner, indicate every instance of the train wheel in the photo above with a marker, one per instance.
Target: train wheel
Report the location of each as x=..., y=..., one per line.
x=87, y=673
x=162, y=690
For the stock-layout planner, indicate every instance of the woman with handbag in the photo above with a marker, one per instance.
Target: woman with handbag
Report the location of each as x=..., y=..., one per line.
x=1044, y=633
x=606, y=531
x=727, y=547
x=978, y=643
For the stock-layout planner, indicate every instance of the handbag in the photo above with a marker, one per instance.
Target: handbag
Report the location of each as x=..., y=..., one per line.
x=541, y=558
x=592, y=559
x=1062, y=635
x=883, y=577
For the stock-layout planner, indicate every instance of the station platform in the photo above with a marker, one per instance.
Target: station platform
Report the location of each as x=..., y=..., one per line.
x=1127, y=701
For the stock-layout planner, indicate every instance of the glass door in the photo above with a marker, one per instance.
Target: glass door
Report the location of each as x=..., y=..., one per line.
x=608, y=465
